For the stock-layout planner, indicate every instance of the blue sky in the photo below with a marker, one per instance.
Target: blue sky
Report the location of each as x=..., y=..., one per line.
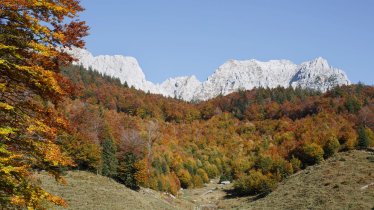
x=193, y=37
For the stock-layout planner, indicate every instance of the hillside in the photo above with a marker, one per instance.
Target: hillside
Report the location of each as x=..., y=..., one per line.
x=86, y=190
x=345, y=181
x=166, y=144
x=337, y=183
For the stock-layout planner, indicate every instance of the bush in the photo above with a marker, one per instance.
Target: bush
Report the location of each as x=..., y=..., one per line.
x=254, y=183
x=184, y=178
x=197, y=181
x=203, y=175
x=312, y=154
x=281, y=168
x=225, y=177
x=331, y=147
x=296, y=164
x=211, y=170
x=370, y=135
x=175, y=184
x=264, y=163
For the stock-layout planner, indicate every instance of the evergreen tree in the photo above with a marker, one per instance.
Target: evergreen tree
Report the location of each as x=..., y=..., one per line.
x=127, y=170
x=363, y=139
x=110, y=162
x=352, y=105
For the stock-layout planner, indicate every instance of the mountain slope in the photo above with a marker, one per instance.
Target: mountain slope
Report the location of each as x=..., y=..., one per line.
x=229, y=77
x=85, y=190
x=341, y=182
x=344, y=181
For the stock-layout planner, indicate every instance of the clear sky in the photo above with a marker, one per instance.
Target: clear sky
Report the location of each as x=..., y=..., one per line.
x=193, y=37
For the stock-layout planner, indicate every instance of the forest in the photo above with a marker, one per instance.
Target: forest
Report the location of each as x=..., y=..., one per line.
x=56, y=117
x=255, y=138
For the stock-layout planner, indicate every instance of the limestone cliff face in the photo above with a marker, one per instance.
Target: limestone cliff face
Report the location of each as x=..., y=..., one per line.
x=229, y=77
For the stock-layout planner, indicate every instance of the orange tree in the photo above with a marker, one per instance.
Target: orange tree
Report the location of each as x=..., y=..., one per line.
x=31, y=34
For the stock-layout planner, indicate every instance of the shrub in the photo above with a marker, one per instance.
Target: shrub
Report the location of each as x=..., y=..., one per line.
x=175, y=184
x=296, y=164
x=225, y=177
x=163, y=183
x=281, y=168
x=331, y=147
x=254, y=183
x=312, y=154
x=184, y=178
x=203, y=175
x=197, y=181
x=370, y=135
x=264, y=163
x=211, y=170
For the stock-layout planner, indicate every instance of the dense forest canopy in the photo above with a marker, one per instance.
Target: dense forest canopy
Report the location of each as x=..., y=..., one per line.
x=256, y=137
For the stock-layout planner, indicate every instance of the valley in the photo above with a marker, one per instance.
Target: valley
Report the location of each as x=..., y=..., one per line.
x=337, y=183
x=81, y=130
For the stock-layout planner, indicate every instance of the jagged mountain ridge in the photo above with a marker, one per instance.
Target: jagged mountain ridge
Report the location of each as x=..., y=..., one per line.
x=229, y=77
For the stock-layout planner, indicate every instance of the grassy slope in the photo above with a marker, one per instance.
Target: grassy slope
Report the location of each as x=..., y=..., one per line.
x=89, y=191
x=334, y=184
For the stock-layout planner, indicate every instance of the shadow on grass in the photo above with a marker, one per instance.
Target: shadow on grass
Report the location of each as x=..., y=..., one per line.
x=231, y=194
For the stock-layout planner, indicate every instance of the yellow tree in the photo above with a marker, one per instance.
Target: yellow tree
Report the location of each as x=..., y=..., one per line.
x=31, y=34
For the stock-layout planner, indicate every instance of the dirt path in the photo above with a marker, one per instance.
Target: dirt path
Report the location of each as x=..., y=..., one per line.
x=212, y=196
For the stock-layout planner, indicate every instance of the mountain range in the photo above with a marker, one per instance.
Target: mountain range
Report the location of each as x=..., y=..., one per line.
x=231, y=76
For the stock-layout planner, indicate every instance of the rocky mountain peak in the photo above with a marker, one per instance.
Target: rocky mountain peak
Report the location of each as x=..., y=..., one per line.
x=231, y=76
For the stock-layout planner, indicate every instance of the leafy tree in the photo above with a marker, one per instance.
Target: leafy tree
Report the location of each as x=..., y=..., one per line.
x=264, y=163
x=142, y=173
x=312, y=154
x=296, y=164
x=370, y=135
x=254, y=183
x=331, y=147
x=197, y=181
x=85, y=154
x=175, y=184
x=30, y=87
x=204, y=175
x=185, y=178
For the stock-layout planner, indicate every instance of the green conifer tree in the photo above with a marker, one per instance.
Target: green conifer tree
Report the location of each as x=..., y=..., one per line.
x=110, y=162
x=363, y=140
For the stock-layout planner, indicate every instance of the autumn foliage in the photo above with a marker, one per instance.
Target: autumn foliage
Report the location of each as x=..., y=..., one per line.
x=31, y=33
x=255, y=138
x=84, y=120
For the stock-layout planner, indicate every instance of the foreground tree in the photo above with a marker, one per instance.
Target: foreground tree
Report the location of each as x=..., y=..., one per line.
x=31, y=32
